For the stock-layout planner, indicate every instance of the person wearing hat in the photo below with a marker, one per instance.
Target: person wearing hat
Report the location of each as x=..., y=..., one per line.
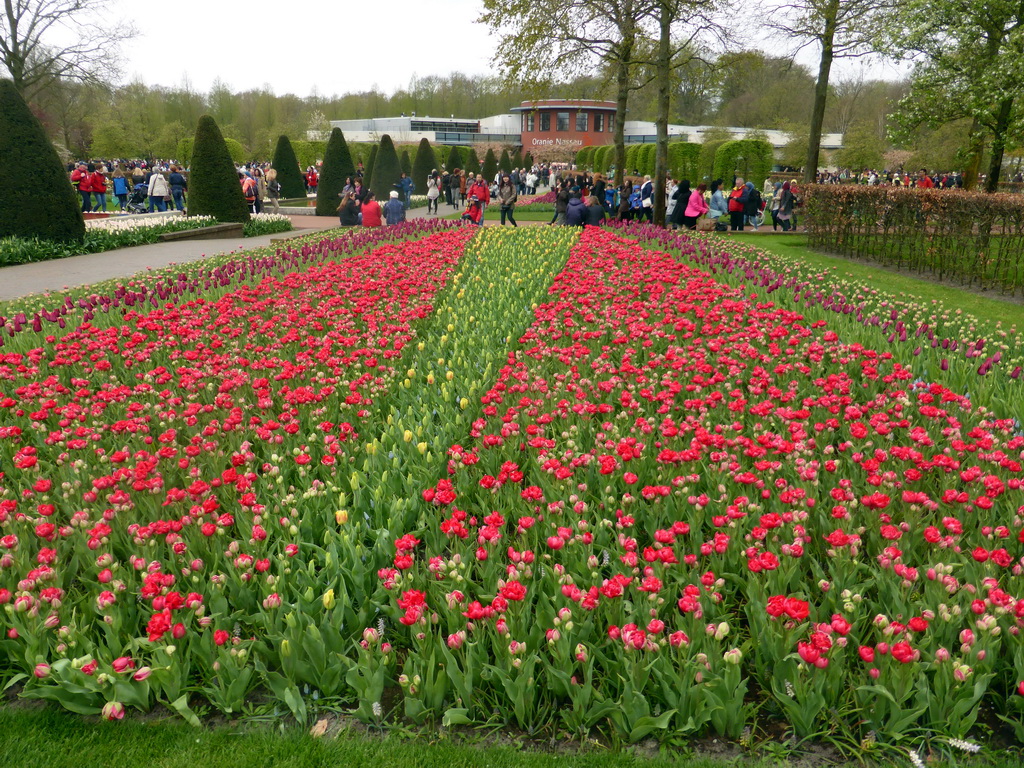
x=394, y=210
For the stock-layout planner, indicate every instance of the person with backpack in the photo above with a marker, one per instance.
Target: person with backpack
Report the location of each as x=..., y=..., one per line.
x=752, y=207
x=273, y=189
x=120, y=184
x=248, y=189
x=737, y=204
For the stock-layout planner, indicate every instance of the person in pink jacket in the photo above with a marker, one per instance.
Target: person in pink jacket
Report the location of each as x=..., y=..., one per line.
x=696, y=207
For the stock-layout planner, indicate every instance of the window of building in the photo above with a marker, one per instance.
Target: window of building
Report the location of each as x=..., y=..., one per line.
x=599, y=122
x=562, y=121
x=581, y=121
x=530, y=120
x=611, y=122
x=545, y=122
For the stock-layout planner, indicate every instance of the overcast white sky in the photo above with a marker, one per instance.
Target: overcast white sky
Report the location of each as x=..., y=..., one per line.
x=332, y=45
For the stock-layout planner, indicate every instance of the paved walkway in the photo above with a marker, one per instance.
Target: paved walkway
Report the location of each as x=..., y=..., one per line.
x=47, y=276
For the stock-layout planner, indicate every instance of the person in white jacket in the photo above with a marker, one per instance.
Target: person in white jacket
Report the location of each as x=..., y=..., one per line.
x=157, y=191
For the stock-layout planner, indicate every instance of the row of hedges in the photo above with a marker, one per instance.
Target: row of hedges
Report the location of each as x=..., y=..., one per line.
x=969, y=237
x=749, y=158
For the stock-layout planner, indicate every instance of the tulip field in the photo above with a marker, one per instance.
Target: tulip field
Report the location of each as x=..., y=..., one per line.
x=610, y=482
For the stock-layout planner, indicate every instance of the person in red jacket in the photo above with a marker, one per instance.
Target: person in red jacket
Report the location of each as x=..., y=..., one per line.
x=371, y=211
x=98, y=184
x=924, y=181
x=312, y=180
x=483, y=195
x=83, y=182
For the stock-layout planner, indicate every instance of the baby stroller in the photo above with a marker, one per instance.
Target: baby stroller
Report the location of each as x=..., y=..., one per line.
x=137, y=199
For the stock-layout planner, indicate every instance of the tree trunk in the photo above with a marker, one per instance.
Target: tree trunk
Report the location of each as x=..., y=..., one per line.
x=622, y=66
x=977, y=147
x=995, y=165
x=663, y=73
x=621, y=97
x=821, y=92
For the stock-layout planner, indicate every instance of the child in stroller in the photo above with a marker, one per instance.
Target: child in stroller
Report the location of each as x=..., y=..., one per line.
x=474, y=211
x=137, y=199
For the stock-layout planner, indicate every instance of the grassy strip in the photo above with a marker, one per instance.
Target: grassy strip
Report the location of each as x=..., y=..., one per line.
x=61, y=740
x=988, y=310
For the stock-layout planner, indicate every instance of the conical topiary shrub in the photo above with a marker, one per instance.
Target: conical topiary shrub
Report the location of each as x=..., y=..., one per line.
x=406, y=163
x=36, y=197
x=288, y=172
x=213, y=186
x=505, y=162
x=337, y=166
x=472, y=162
x=490, y=166
x=426, y=161
x=517, y=159
x=368, y=166
x=528, y=161
x=387, y=170
x=454, y=159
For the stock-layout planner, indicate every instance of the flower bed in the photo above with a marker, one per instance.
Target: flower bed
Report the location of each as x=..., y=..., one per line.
x=634, y=499
x=110, y=233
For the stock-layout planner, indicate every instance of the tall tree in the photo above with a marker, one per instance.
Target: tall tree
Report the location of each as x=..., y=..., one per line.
x=685, y=28
x=425, y=162
x=387, y=168
x=564, y=37
x=36, y=199
x=842, y=28
x=337, y=166
x=968, y=55
x=214, y=188
x=490, y=166
x=289, y=173
x=43, y=40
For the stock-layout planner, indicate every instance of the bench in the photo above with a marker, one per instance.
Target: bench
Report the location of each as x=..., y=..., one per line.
x=228, y=231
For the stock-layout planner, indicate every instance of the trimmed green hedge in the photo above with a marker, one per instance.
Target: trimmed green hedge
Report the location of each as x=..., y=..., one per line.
x=974, y=238
x=236, y=151
x=337, y=166
x=387, y=169
x=683, y=163
x=750, y=158
x=36, y=198
x=425, y=162
x=214, y=189
x=288, y=172
x=706, y=160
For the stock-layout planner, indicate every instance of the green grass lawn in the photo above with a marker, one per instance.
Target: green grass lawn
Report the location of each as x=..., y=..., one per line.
x=987, y=309
x=55, y=739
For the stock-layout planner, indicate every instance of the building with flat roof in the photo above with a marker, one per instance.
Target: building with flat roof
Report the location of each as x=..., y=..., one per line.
x=569, y=124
